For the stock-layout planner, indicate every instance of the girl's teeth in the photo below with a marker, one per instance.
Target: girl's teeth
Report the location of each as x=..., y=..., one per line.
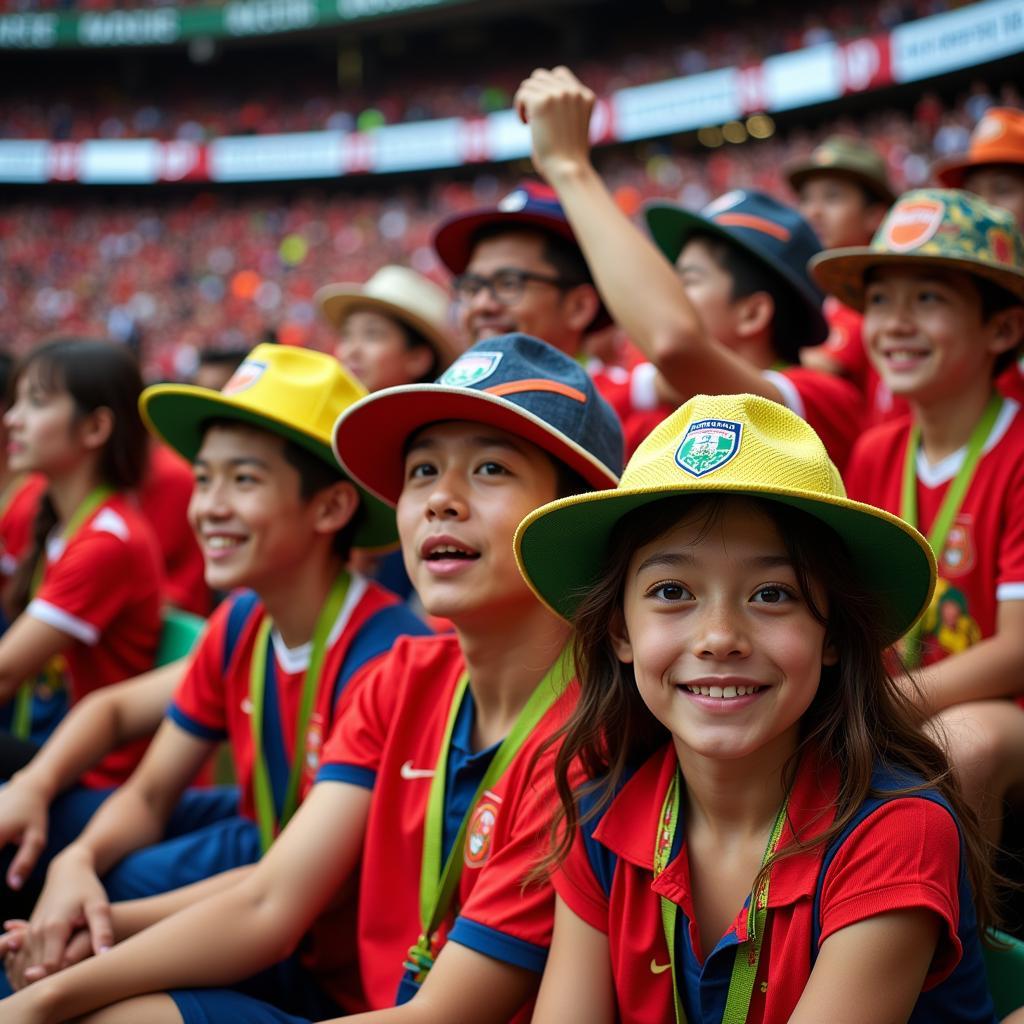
x=723, y=692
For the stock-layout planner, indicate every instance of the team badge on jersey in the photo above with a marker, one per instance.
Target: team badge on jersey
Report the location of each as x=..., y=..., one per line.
x=467, y=371
x=958, y=554
x=913, y=223
x=708, y=445
x=314, y=743
x=244, y=377
x=480, y=834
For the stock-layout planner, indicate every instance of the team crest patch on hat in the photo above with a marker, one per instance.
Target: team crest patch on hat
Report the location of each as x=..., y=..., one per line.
x=480, y=834
x=708, y=445
x=244, y=377
x=913, y=223
x=467, y=371
x=514, y=201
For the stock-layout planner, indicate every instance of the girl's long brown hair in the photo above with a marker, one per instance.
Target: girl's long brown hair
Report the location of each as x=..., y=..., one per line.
x=859, y=718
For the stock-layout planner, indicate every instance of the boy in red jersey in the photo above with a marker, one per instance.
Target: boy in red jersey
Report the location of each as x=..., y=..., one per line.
x=432, y=763
x=274, y=513
x=942, y=286
x=741, y=307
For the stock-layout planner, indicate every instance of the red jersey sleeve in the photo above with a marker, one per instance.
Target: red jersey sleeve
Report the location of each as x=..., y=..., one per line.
x=79, y=594
x=1010, y=572
x=574, y=880
x=906, y=854
x=200, y=703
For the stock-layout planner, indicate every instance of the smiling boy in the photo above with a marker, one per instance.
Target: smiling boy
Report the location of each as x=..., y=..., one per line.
x=430, y=770
x=942, y=287
x=274, y=514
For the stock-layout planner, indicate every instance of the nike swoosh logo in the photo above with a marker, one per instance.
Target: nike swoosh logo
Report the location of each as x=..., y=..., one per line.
x=408, y=772
x=657, y=968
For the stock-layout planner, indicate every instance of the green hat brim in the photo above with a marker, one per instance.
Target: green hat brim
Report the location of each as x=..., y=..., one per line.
x=842, y=272
x=562, y=546
x=671, y=228
x=177, y=413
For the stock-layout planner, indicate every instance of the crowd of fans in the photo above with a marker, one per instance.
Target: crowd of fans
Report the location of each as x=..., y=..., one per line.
x=187, y=271
x=205, y=102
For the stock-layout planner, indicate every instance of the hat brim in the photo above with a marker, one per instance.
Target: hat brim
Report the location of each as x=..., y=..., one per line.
x=671, y=228
x=951, y=171
x=336, y=301
x=390, y=417
x=178, y=413
x=796, y=174
x=561, y=547
x=842, y=272
x=454, y=239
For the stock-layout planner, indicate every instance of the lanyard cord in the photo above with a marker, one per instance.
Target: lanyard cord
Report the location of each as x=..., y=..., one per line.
x=21, y=720
x=267, y=817
x=951, y=503
x=748, y=953
x=437, y=884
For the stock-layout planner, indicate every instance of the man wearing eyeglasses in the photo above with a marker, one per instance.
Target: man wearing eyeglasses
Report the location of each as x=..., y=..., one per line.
x=518, y=267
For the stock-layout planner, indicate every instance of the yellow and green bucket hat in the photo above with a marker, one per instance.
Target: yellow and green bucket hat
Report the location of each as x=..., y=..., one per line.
x=943, y=227
x=727, y=444
x=295, y=393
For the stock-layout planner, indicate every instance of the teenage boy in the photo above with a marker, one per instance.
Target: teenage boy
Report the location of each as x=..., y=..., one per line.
x=273, y=513
x=741, y=307
x=843, y=192
x=942, y=287
x=431, y=770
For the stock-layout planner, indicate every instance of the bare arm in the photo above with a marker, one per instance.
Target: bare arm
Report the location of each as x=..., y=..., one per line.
x=577, y=986
x=24, y=649
x=234, y=933
x=640, y=287
x=871, y=972
x=992, y=668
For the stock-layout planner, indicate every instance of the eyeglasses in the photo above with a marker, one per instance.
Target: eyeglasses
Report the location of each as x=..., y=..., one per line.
x=506, y=286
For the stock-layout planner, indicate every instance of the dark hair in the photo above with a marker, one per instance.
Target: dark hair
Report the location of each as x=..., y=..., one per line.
x=227, y=357
x=97, y=375
x=6, y=389
x=859, y=717
x=315, y=474
x=790, y=327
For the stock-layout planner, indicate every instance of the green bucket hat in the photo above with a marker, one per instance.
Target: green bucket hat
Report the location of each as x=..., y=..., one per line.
x=295, y=393
x=943, y=227
x=849, y=157
x=727, y=444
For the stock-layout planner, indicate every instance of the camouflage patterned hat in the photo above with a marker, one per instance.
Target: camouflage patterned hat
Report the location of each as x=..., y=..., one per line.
x=944, y=227
x=849, y=157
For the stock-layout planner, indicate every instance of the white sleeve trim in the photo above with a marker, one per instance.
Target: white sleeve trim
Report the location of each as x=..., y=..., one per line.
x=64, y=621
x=790, y=396
x=643, y=387
x=1010, y=592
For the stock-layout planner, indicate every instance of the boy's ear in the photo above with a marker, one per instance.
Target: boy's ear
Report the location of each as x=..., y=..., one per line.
x=96, y=427
x=620, y=637
x=754, y=314
x=1006, y=330
x=335, y=506
x=581, y=305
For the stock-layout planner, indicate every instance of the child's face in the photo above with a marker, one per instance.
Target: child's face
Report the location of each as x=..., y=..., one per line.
x=373, y=349
x=467, y=487
x=43, y=435
x=246, y=509
x=924, y=332
x=725, y=650
x=709, y=288
x=838, y=210
x=1000, y=186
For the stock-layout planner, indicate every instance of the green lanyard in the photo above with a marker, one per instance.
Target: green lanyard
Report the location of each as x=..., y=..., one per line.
x=950, y=503
x=21, y=724
x=748, y=953
x=437, y=885
x=263, y=794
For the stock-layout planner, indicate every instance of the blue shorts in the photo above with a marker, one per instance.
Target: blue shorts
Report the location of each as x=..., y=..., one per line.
x=283, y=994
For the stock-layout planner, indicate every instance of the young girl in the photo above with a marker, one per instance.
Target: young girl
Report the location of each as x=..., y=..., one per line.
x=85, y=600
x=766, y=834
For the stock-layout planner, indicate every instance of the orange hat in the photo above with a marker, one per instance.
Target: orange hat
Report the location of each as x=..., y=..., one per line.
x=998, y=138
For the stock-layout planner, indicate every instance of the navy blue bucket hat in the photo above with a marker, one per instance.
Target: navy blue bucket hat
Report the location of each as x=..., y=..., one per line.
x=513, y=382
x=532, y=205
x=770, y=231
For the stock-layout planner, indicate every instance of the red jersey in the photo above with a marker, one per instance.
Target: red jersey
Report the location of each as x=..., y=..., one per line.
x=389, y=738
x=103, y=589
x=1011, y=381
x=16, y=521
x=983, y=559
x=907, y=855
x=163, y=497
x=632, y=393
